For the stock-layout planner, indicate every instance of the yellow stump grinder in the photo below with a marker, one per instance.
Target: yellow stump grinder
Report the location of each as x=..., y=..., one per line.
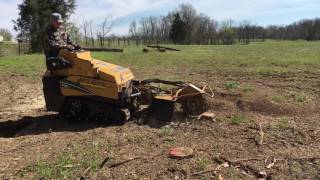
x=80, y=87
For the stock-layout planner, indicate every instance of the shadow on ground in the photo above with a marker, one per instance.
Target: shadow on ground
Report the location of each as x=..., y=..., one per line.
x=45, y=124
x=54, y=123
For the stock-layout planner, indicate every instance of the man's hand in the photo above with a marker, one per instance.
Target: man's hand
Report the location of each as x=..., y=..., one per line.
x=70, y=47
x=78, y=47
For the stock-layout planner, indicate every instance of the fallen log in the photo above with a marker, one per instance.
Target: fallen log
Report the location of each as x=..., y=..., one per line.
x=123, y=162
x=162, y=47
x=103, y=49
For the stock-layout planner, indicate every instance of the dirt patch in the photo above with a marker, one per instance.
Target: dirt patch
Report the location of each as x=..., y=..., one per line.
x=20, y=96
x=32, y=138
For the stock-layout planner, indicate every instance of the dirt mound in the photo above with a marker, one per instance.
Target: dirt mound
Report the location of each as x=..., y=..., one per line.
x=257, y=102
x=266, y=107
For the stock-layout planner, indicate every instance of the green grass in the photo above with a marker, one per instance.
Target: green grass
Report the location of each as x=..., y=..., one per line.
x=26, y=65
x=136, y=139
x=259, y=58
x=300, y=98
x=44, y=170
x=278, y=99
x=238, y=119
x=248, y=88
x=166, y=131
x=68, y=164
x=283, y=123
x=61, y=167
x=263, y=58
x=203, y=163
x=232, y=86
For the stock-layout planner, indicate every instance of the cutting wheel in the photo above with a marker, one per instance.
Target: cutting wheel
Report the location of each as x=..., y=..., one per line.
x=195, y=105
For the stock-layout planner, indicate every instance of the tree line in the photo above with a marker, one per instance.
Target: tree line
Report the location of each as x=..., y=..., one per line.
x=181, y=26
x=6, y=34
x=186, y=26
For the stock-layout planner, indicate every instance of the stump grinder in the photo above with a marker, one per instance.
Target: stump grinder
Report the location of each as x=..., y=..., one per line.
x=87, y=88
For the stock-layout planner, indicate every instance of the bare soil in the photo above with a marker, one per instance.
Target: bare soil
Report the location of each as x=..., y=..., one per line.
x=284, y=109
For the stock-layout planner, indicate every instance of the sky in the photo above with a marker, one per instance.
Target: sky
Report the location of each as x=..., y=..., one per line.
x=262, y=12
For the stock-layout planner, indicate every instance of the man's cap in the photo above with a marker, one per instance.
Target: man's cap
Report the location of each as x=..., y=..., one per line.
x=56, y=17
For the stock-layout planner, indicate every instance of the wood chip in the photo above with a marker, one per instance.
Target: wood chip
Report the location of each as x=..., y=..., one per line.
x=207, y=115
x=261, y=134
x=271, y=164
x=220, y=177
x=68, y=166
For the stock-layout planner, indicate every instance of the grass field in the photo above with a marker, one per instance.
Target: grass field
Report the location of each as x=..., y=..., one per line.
x=266, y=105
x=261, y=58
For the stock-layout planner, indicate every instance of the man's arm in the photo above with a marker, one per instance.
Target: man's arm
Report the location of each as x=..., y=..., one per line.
x=52, y=42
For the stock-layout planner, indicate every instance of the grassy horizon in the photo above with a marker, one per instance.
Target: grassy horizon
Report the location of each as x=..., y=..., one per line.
x=257, y=58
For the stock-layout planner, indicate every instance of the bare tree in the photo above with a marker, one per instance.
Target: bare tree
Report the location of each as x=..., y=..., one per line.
x=201, y=33
x=164, y=27
x=104, y=29
x=144, y=30
x=74, y=31
x=189, y=16
x=243, y=32
x=91, y=30
x=227, y=24
x=85, y=29
x=213, y=34
x=152, y=25
x=134, y=32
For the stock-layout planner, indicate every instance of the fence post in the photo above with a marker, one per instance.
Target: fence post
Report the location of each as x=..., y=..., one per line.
x=19, y=46
x=1, y=48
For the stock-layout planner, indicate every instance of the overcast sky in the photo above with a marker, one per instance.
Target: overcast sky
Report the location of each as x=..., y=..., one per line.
x=262, y=12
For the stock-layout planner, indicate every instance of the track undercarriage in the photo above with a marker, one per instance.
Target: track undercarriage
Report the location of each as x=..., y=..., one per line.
x=147, y=99
x=80, y=109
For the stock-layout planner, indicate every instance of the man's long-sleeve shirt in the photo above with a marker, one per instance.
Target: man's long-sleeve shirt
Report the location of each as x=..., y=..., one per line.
x=55, y=40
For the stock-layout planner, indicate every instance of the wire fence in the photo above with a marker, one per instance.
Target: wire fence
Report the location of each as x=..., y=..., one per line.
x=20, y=48
x=108, y=43
x=12, y=48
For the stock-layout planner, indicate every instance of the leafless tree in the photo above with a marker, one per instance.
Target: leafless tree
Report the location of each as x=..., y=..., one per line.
x=104, y=29
x=152, y=23
x=144, y=29
x=164, y=26
x=85, y=29
x=189, y=15
x=243, y=32
x=73, y=30
x=91, y=31
x=133, y=31
x=201, y=33
x=213, y=31
x=226, y=24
